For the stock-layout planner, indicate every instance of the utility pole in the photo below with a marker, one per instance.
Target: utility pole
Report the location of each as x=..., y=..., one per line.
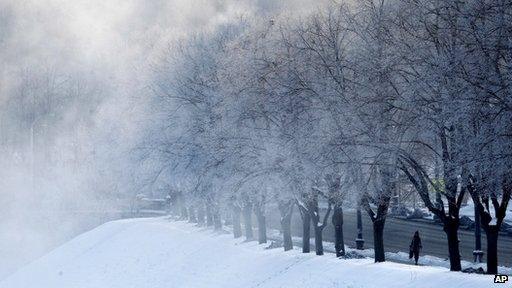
x=359, y=239
x=478, y=253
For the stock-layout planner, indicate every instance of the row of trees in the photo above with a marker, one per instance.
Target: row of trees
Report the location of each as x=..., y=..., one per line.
x=334, y=107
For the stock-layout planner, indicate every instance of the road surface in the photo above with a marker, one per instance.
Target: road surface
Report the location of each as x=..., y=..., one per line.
x=398, y=234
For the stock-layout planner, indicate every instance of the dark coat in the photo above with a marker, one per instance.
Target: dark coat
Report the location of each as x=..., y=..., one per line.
x=415, y=243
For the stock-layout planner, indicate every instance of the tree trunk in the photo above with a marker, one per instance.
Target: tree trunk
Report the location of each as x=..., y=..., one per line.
x=450, y=229
x=176, y=208
x=237, y=225
x=182, y=208
x=228, y=218
x=306, y=230
x=378, y=240
x=492, y=249
x=217, y=221
x=200, y=214
x=286, y=225
x=191, y=214
x=318, y=224
x=248, y=221
x=209, y=215
x=184, y=214
x=319, y=246
x=337, y=222
x=262, y=226
x=287, y=233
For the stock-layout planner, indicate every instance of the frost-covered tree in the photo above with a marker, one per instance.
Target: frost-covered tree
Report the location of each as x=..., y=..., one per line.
x=327, y=110
x=455, y=93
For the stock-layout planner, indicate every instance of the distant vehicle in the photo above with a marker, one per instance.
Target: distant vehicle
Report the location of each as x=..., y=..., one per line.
x=145, y=206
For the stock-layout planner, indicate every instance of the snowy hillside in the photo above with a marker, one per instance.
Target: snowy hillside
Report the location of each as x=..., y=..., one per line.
x=156, y=253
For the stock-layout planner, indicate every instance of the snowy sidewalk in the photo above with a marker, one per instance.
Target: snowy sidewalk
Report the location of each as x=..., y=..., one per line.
x=156, y=253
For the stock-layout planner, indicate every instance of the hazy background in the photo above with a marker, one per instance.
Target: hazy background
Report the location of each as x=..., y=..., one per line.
x=73, y=91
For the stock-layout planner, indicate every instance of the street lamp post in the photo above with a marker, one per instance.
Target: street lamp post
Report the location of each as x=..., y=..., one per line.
x=359, y=239
x=478, y=253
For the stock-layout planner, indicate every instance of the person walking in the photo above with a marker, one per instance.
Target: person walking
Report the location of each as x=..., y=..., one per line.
x=415, y=247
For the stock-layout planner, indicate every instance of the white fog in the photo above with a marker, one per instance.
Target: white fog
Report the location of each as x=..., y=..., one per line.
x=259, y=115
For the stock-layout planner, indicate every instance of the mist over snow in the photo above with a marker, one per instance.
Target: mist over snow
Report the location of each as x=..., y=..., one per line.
x=263, y=119
x=73, y=100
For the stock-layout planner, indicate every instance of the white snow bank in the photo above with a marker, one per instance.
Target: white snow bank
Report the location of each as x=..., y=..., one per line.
x=156, y=253
x=469, y=210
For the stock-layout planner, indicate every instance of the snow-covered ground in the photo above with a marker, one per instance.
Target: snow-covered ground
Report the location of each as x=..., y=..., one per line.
x=156, y=253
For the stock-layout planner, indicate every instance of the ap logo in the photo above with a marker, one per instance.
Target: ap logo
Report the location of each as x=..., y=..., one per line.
x=500, y=278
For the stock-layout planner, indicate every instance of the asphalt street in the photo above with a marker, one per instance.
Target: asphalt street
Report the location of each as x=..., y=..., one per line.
x=398, y=235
